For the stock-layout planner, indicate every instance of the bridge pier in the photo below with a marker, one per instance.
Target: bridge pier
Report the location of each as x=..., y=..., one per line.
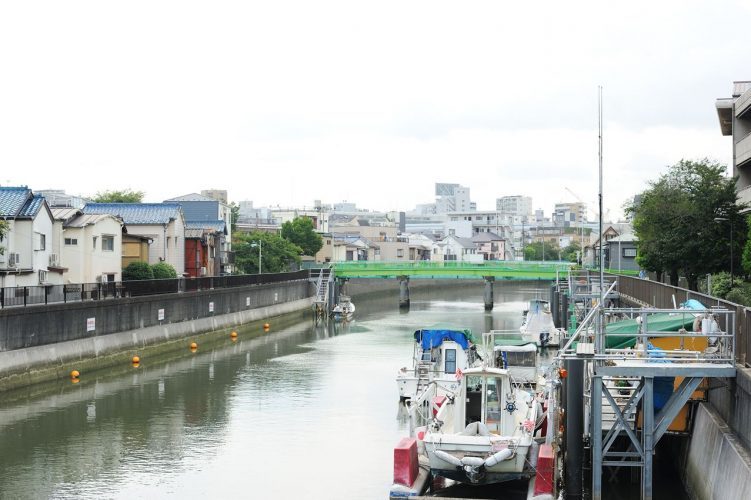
x=488, y=295
x=403, y=292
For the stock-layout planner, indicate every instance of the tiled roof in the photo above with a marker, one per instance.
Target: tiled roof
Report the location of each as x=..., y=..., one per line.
x=13, y=200
x=137, y=213
x=64, y=214
x=32, y=206
x=485, y=237
x=213, y=225
x=83, y=220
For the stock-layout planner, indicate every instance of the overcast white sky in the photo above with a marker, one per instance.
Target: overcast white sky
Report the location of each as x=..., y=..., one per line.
x=285, y=102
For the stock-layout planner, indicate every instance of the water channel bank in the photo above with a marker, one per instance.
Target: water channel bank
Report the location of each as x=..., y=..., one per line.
x=46, y=342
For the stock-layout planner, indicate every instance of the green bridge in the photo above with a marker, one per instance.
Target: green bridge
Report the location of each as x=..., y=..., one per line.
x=510, y=270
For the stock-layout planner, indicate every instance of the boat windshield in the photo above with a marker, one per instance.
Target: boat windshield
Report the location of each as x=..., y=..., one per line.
x=484, y=395
x=516, y=358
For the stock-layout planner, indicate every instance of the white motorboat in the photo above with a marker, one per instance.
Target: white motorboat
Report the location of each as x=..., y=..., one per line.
x=483, y=432
x=344, y=310
x=439, y=353
x=538, y=326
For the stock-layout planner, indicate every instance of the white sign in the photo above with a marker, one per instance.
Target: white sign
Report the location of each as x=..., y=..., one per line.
x=276, y=296
x=160, y=314
x=90, y=324
x=247, y=301
x=211, y=307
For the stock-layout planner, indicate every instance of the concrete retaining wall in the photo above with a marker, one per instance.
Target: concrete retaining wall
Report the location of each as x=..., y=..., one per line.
x=25, y=327
x=717, y=464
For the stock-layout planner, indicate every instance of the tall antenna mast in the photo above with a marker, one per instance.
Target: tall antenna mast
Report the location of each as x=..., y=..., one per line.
x=602, y=248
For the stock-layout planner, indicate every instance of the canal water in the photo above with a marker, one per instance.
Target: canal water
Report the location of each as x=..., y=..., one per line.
x=303, y=412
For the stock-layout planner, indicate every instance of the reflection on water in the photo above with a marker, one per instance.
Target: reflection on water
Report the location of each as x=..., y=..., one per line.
x=309, y=411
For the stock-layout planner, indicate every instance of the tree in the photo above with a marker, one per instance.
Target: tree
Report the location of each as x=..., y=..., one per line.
x=277, y=253
x=234, y=215
x=542, y=251
x=163, y=271
x=124, y=196
x=302, y=233
x=138, y=271
x=3, y=231
x=684, y=221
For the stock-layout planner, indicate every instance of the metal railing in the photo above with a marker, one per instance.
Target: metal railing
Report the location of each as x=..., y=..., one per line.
x=79, y=292
x=661, y=296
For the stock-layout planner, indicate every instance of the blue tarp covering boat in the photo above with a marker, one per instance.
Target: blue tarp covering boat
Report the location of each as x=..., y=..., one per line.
x=429, y=338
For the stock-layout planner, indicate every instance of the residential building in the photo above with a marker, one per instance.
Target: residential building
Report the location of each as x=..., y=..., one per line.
x=162, y=223
x=734, y=114
x=452, y=198
x=27, y=243
x=490, y=246
x=59, y=198
x=209, y=237
x=88, y=247
x=219, y=195
x=620, y=253
x=515, y=205
x=570, y=214
x=135, y=249
x=454, y=248
x=488, y=221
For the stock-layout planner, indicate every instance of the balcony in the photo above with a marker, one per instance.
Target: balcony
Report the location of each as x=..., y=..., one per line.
x=743, y=104
x=743, y=151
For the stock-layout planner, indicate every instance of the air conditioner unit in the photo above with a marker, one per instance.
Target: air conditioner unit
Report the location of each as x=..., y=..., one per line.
x=54, y=260
x=203, y=271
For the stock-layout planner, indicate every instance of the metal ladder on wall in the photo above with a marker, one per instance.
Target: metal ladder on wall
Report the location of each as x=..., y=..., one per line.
x=322, y=283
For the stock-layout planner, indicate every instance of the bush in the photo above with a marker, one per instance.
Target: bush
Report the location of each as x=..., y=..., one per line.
x=138, y=271
x=738, y=296
x=720, y=285
x=163, y=271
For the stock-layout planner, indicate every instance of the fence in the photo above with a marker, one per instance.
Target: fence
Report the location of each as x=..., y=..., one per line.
x=51, y=294
x=661, y=296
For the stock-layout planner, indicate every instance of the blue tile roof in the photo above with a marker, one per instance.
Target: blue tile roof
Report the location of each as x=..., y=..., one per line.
x=137, y=213
x=32, y=206
x=13, y=200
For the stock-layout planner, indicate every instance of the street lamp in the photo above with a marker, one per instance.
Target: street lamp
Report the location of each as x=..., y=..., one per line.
x=258, y=244
x=720, y=219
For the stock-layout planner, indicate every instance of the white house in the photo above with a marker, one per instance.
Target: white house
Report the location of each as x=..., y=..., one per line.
x=26, y=246
x=162, y=223
x=87, y=246
x=454, y=248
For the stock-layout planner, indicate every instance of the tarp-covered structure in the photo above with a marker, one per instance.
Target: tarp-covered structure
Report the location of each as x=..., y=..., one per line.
x=433, y=337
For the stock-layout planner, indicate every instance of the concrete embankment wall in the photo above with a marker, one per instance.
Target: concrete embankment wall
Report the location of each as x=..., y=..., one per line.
x=52, y=337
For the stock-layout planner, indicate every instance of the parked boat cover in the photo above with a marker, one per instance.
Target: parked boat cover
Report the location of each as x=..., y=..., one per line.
x=433, y=338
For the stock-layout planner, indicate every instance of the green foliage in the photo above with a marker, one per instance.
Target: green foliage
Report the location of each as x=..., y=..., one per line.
x=676, y=226
x=3, y=231
x=163, y=271
x=572, y=253
x=138, y=271
x=124, y=196
x=302, y=233
x=234, y=215
x=739, y=295
x=720, y=285
x=746, y=262
x=542, y=251
x=278, y=254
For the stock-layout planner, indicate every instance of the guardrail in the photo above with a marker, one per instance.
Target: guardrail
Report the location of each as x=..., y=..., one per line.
x=79, y=292
x=660, y=295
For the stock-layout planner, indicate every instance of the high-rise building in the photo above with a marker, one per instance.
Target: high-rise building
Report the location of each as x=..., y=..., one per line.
x=515, y=205
x=452, y=198
x=570, y=214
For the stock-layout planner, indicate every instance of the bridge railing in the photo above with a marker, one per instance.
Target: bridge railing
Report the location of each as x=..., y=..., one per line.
x=417, y=268
x=660, y=295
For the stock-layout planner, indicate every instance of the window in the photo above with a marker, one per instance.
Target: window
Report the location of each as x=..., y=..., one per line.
x=450, y=360
x=108, y=243
x=400, y=252
x=71, y=241
x=41, y=240
x=629, y=252
x=94, y=242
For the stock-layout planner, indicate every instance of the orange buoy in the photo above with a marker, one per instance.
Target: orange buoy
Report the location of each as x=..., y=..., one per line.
x=136, y=360
x=75, y=374
x=233, y=335
x=136, y=365
x=193, y=346
x=563, y=373
x=75, y=380
x=266, y=326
